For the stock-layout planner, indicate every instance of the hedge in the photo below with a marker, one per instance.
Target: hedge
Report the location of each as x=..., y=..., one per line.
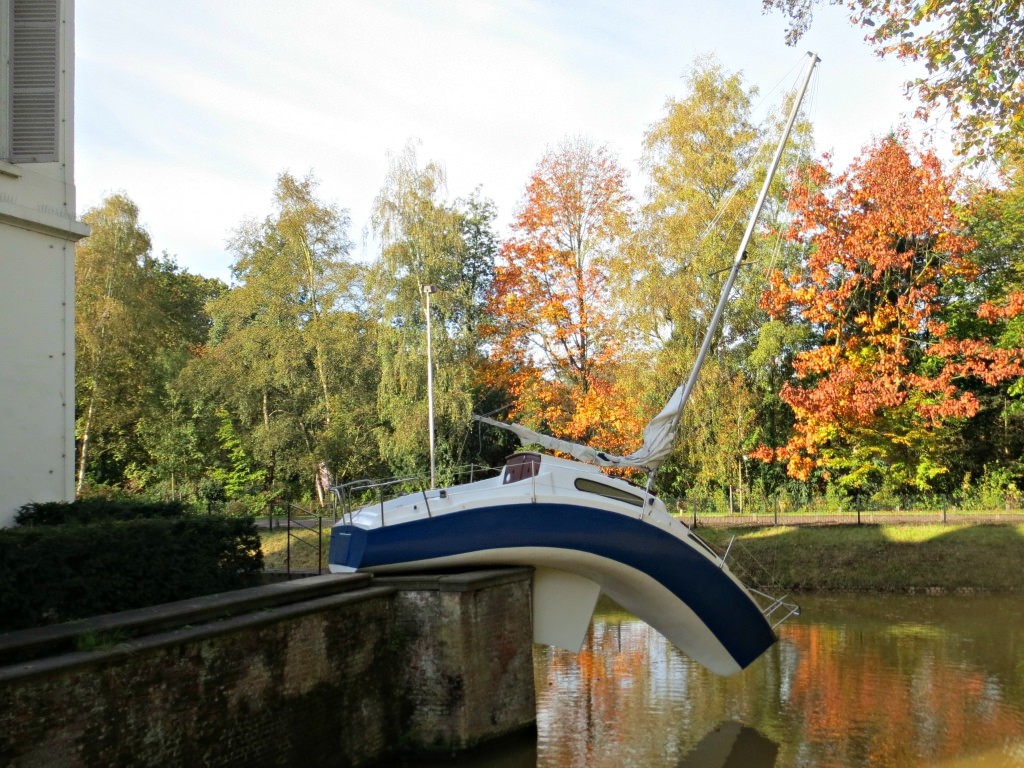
x=50, y=574
x=95, y=511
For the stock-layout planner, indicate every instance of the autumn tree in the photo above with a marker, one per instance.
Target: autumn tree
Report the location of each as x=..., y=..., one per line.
x=427, y=241
x=705, y=160
x=993, y=442
x=554, y=333
x=879, y=397
x=971, y=50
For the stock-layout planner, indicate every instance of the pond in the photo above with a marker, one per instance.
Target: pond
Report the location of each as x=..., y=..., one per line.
x=880, y=681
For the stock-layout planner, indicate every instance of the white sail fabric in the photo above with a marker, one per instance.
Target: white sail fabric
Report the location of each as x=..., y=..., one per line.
x=659, y=436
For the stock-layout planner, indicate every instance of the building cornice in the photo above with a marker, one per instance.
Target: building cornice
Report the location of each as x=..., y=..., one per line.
x=43, y=222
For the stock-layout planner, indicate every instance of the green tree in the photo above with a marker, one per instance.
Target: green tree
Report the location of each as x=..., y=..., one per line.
x=970, y=48
x=449, y=247
x=705, y=160
x=138, y=320
x=994, y=439
x=286, y=358
x=171, y=434
x=106, y=285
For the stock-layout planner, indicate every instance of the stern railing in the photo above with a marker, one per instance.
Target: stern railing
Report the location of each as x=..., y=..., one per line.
x=358, y=494
x=776, y=610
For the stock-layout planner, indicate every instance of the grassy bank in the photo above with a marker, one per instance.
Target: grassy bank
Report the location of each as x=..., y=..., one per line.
x=883, y=558
x=303, y=549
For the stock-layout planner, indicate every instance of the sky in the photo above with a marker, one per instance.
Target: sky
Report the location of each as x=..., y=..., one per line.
x=194, y=108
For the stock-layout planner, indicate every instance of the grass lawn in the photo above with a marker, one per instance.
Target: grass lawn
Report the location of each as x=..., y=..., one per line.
x=303, y=549
x=882, y=558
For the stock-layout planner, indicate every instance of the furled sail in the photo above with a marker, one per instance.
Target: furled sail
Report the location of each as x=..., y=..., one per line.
x=659, y=435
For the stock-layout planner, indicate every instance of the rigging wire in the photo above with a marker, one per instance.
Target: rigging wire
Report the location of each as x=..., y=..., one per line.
x=746, y=175
x=808, y=109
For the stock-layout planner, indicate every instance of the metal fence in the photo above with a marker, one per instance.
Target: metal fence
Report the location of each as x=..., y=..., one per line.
x=698, y=514
x=305, y=528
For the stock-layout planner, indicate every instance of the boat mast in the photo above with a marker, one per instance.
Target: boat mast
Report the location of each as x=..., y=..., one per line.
x=741, y=252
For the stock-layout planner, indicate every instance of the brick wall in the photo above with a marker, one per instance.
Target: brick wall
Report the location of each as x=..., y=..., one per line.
x=342, y=679
x=468, y=668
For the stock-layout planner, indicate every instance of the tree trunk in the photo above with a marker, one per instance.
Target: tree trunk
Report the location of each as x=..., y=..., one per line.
x=86, y=430
x=269, y=483
x=317, y=345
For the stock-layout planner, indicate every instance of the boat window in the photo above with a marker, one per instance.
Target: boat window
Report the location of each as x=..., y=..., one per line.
x=521, y=466
x=608, y=491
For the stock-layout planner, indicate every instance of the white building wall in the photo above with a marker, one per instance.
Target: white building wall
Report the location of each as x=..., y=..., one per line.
x=38, y=231
x=37, y=395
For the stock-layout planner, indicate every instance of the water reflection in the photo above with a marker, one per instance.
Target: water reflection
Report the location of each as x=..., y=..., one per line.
x=904, y=682
x=732, y=745
x=855, y=681
x=885, y=682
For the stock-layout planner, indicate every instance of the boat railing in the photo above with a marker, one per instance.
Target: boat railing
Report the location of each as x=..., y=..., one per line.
x=361, y=493
x=358, y=494
x=777, y=609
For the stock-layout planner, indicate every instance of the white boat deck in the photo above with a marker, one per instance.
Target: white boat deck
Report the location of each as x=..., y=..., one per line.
x=553, y=481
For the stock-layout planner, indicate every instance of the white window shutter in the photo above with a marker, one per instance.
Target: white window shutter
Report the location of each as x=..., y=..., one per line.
x=35, y=70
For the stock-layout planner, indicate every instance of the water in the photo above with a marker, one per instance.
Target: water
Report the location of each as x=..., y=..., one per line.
x=885, y=682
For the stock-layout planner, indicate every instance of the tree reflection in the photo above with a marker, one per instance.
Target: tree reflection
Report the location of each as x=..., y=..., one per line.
x=893, y=682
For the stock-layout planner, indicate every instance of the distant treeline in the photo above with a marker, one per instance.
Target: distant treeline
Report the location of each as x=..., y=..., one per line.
x=872, y=349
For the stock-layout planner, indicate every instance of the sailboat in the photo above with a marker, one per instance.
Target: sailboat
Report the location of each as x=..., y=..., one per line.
x=584, y=533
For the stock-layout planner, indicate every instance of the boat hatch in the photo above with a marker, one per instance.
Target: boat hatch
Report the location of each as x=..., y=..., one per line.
x=608, y=491
x=521, y=466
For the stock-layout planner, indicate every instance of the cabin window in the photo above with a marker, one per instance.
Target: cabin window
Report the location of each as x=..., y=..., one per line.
x=608, y=491
x=521, y=466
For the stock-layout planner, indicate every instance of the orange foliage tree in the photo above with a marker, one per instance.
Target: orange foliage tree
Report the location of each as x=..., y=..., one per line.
x=880, y=395
x=553, y=340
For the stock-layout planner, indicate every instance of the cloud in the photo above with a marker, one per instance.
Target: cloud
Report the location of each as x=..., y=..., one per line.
x=193, y=108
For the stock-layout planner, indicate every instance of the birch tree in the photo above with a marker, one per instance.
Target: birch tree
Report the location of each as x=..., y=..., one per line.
x=286, y=359
x=138, y=321
x=705, y=160
x=111, y=315
x=427, y=241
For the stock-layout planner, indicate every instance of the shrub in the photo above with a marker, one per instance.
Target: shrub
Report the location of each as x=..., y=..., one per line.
x=52, y=573
x=97, y=510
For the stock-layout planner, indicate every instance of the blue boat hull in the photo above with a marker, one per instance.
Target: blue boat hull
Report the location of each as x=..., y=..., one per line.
x=605, y=545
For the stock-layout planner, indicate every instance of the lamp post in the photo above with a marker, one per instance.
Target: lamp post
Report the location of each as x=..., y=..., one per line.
x=427, y=290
